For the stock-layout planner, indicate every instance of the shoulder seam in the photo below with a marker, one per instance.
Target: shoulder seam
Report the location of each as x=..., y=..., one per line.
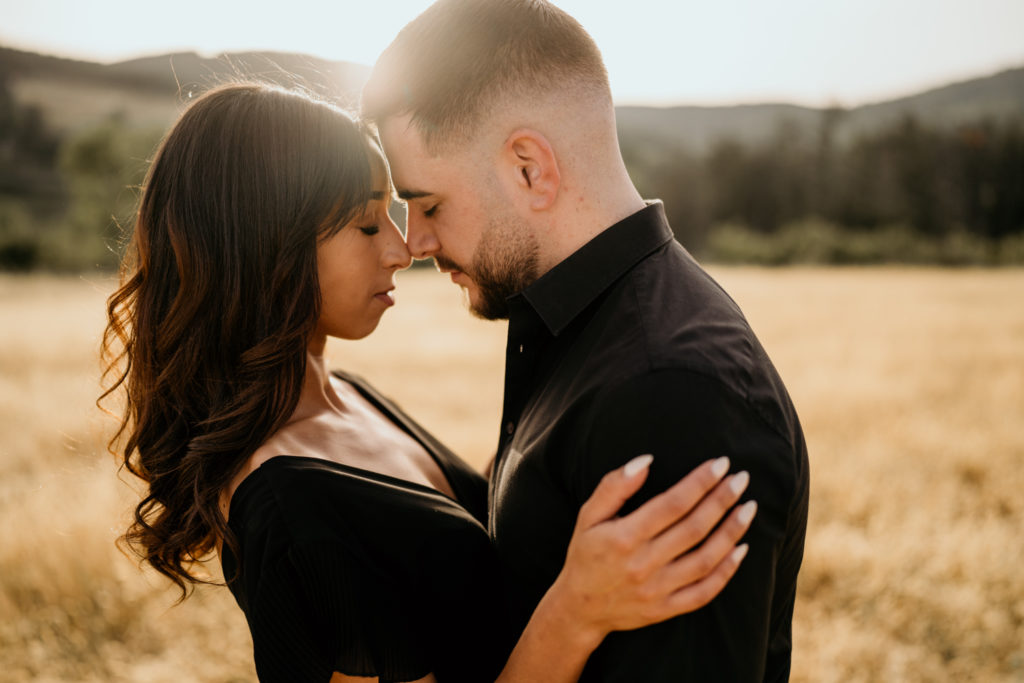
x=695, y=370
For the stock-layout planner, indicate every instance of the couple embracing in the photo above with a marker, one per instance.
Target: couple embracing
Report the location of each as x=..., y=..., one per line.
x=644, y=516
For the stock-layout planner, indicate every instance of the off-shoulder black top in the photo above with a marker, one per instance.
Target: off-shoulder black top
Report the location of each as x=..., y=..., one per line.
x=344, y=569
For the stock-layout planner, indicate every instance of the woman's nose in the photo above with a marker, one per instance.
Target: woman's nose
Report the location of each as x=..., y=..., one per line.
x=396, y=253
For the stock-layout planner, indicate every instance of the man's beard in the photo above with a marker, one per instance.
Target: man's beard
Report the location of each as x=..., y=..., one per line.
x=504, y=264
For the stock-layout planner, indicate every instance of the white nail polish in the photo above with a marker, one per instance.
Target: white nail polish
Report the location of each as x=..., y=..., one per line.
x=740, y=552
x=739, y=482
x=720, y=467
x=637, y=465
x=747, y=511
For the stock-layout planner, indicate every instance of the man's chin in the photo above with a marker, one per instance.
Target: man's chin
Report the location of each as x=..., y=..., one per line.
x=472, y=299
x=482, y=304
x=485, y=307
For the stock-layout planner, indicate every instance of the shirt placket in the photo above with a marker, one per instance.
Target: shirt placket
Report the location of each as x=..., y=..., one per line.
x=522, y=355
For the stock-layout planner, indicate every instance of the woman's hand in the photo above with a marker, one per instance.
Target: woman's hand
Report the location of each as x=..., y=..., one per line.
x=658, y=562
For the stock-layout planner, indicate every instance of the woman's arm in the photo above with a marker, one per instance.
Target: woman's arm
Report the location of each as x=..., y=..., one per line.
x=623, y=573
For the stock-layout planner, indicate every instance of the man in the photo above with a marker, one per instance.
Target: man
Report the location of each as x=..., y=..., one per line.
x=497, y=119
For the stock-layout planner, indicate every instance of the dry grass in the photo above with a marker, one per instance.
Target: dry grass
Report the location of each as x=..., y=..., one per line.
x=910, y=385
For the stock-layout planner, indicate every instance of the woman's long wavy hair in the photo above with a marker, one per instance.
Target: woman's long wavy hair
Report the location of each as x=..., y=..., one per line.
x=219, y=295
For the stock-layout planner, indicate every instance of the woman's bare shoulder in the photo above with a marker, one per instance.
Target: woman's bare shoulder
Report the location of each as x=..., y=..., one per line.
x=282, y=442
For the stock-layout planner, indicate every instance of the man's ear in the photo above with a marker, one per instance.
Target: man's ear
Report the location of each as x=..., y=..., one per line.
x=531, y=161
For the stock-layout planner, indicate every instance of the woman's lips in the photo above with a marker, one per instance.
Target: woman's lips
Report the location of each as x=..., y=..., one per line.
x=385, y=297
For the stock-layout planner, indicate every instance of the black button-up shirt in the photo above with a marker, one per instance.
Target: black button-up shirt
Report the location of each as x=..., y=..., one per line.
x=629, y=347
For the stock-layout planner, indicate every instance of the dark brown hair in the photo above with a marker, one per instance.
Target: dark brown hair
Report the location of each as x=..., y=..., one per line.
x=458, y=59
x=219, y=294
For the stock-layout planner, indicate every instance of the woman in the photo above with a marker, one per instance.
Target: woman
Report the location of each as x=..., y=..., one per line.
x=354, y=542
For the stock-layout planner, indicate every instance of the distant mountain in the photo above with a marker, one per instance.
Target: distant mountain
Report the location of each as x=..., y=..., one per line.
x=699, y=128
x=151, y=90
x=341, y=80
x=999, y=97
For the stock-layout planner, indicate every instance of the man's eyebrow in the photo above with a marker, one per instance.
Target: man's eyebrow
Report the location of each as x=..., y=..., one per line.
x=413, y=194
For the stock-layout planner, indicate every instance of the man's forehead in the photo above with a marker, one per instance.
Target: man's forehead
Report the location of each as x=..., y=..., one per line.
x=415, y=172
x=407, y=180
x=402, y=146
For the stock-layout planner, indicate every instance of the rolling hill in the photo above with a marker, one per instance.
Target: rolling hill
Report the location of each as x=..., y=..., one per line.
x=999, y=96
x=150, y=91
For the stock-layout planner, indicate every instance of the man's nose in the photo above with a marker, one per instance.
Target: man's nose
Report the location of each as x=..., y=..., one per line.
x=420, y=236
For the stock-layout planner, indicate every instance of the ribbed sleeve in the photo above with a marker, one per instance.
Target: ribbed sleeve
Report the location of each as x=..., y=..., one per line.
x=314, y=613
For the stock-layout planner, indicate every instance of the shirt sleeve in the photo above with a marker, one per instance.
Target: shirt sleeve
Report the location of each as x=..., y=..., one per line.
x=314, y=613
x=685, y=418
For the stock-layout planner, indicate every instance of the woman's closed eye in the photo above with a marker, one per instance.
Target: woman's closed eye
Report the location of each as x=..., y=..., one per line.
x=369, y=230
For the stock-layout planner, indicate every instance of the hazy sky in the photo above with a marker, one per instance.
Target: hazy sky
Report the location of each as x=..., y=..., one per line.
x=812, y=52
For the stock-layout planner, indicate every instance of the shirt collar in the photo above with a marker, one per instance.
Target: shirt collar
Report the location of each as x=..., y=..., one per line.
x=564, y=291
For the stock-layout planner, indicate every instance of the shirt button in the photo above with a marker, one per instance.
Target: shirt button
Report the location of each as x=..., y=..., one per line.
x=520, y=348
x=510, y=427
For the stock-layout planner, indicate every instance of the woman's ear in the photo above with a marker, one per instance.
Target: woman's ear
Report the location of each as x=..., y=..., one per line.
x=531, y=161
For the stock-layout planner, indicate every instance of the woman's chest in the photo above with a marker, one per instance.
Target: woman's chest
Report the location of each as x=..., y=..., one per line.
x=369, y=441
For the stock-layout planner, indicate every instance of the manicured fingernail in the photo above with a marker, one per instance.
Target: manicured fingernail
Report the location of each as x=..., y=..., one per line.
x=740, y=552
x=720, y=467
x=637, y=465
x=747, y=511
x=739, y=482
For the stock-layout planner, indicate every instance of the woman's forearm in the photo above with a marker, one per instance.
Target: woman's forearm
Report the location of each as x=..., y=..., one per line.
x=554, y=646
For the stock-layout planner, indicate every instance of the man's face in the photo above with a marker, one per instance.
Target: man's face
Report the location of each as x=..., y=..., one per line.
x=459, y=215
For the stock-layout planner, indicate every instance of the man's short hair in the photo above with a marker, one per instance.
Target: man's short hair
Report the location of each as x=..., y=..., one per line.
x=461, y=59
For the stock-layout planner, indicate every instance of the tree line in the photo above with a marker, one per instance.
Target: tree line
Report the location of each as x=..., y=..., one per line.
x=906, y=193
x=65, y=199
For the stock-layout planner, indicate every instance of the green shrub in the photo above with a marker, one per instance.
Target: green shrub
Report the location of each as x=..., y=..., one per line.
x=19, y=246
x=814, y=241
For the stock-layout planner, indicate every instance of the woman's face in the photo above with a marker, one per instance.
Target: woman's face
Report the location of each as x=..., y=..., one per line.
x=357, y=265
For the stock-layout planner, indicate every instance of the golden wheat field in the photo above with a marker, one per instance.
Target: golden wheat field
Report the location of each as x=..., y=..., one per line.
x=909, y=383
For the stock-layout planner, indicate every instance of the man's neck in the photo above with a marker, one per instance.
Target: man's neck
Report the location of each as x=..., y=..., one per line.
x=582, y=217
